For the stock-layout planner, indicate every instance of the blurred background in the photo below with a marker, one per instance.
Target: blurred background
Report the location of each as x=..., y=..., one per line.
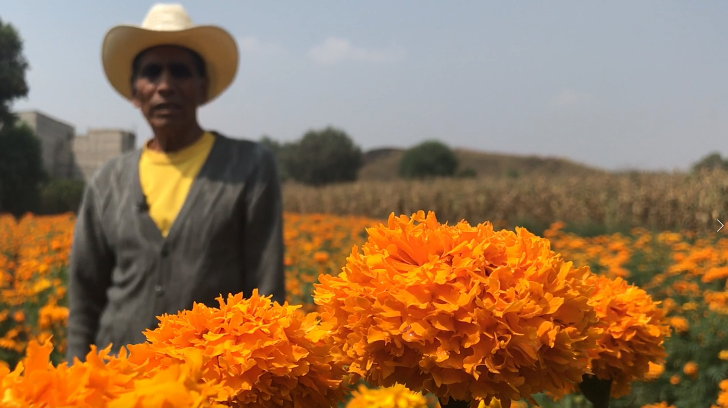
x=625, y=99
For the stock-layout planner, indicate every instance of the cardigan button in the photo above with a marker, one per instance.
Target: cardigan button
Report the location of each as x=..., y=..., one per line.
x=159, y=290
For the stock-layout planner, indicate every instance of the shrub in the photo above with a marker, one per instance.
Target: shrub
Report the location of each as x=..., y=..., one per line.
x=467, y=172
x=59, y=196
x=428, y=159
x=21, y=169
x=710, y=162
x=512, y=173
x=323, y=157
x=280, y=151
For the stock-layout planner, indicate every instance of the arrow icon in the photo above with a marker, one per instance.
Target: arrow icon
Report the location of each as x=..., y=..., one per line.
x=721, y=225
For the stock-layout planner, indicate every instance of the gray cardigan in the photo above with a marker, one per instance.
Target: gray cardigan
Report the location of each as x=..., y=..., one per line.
x=227, y=238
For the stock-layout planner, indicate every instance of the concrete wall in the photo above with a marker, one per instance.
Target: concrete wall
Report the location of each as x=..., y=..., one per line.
x=66, y=155
x=98, y=147
x=56, y=142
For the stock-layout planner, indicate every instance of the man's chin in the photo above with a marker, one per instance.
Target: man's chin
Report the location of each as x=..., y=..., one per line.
x=161, y=122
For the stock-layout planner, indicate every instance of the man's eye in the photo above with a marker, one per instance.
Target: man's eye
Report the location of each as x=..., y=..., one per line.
x=151, y=71
x=180, y=71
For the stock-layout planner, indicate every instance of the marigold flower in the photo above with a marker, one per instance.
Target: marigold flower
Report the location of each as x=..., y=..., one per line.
x=691, y=369
x=723, y=394
x=19, y=316
x=634, y=332
x=175, y=386
x=103, y=382
x=463, y=312
x=397, y=396
x=675, y=380
x=654, y=372
x=679, y=323
x=658, y=405
x=35, y=382
x=51, y=314
x=496, y=403
x=321, y=256
x=715, y=274
x=668, y=305
x=723, y=355
x=717, y=301
x=260, y=353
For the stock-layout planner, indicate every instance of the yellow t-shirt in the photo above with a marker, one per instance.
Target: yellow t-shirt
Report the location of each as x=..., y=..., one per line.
x=166, y=178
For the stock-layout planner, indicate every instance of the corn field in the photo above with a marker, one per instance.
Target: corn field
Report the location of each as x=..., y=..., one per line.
x=604, y=202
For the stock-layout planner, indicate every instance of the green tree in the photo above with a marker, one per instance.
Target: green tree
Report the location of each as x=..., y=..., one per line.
x=21, y=170
x=710, y=162
x=431, y=158
x=21, y=163
x=59, y=196
x=323, y=157
x=12, y=71
x=281, y=152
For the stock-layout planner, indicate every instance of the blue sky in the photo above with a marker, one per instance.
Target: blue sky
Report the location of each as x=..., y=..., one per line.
x=616, y=84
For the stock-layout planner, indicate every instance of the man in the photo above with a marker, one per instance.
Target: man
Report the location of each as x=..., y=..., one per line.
x=192, y=215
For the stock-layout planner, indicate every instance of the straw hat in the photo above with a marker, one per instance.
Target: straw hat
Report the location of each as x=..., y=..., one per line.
x=169, y=24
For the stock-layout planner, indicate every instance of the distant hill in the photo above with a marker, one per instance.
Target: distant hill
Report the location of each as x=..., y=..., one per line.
x=383, y=164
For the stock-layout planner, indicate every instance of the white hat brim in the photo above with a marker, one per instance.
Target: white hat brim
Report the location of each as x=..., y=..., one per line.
x=216, y=47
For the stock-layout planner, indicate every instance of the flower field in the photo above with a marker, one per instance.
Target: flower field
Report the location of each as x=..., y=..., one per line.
x=663, y=342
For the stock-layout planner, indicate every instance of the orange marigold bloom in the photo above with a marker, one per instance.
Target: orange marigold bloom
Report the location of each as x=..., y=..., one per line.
x=668, y=305
x=50, y=314
x=634, y=332
x=178, y=385
x=675, y=380
x=102, y=382
x=723, y=355
x=658, y=405
x=717, y=301
x=260, y=353
x=495, y=403
x=321, y=256
x=679, y=323
x=35, y=382
x=19, y=316
x=689, y=306
x=723, y=395
x=397, y=396
x=654, y=372
x=683, y=287
x=461, y=311
x=715, y=273
x=691, y=369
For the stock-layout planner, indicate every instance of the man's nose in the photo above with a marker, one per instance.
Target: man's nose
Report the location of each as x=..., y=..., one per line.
x=166, y=81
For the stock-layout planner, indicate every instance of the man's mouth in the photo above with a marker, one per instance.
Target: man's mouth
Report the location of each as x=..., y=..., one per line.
x=167, y=107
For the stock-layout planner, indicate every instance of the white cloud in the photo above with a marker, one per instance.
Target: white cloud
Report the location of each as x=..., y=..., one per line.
x=252, y=45
x=570, y=98
x=335, y=50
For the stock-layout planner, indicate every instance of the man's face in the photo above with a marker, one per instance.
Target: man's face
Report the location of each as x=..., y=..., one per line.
x=168, y=88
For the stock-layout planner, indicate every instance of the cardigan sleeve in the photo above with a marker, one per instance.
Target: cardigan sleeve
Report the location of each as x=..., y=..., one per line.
x=89, y=276
x=263, y=231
